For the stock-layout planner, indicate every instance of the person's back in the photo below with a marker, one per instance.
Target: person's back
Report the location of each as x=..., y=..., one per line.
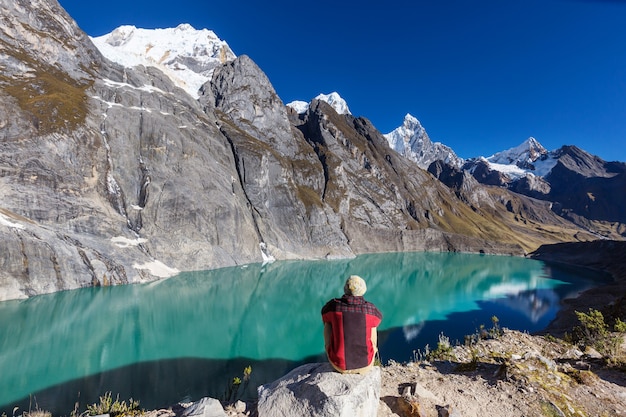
x=350, y=324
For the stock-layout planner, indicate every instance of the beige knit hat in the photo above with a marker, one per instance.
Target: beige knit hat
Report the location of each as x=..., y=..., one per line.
x=355, y=285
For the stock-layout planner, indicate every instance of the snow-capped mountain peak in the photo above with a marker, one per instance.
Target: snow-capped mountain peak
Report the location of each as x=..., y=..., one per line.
x=411, y=122
x=334, y=99
x=299, y=106
x=527, y=152
x=408, y=136
x=412, y=141
x=188, y=56
x=529, y=159
x=336, y=102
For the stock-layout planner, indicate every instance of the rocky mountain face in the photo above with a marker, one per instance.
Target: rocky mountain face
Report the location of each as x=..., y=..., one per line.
x=112, y=175
x=107, y=175
x=588, y=190
x=581, y=188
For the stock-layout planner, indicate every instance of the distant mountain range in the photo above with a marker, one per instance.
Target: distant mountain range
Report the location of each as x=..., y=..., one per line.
x=580, y=187
x=141, y=153
x=189, y=56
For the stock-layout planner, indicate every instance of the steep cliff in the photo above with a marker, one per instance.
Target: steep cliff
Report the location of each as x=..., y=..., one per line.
x=107, y=175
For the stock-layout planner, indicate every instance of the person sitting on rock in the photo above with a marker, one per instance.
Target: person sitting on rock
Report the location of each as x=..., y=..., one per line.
x=350, y=323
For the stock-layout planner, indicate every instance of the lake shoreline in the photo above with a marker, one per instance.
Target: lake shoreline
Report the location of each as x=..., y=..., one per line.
x=602, y=255
x=606, y=256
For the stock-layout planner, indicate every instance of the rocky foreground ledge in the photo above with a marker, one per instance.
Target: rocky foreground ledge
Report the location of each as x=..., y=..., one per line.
x=513, y=375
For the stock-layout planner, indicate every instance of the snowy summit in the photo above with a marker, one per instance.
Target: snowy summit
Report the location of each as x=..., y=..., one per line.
x=334, y=99
x=411, y=141
x=336, y=102
x=188, y=56
x=528, y=152
x=299, y=106
x=530, y=157
x=410, y=135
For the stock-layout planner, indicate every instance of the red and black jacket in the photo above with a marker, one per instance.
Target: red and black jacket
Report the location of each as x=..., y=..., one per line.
x=352, y=319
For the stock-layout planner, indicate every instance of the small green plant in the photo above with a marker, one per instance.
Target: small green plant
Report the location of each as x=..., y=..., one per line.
x=443, y=351
x=620, y=326
x=568, y=338
x=495, y=332
x=483, y=333
x=593, y=329
x=594, y=332
x=115, y=408
x=232, y=389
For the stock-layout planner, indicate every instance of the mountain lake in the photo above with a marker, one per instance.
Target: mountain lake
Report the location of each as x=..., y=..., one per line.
x=187, y=337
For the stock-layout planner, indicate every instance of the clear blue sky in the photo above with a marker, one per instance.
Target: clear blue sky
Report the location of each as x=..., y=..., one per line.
x=482, y=76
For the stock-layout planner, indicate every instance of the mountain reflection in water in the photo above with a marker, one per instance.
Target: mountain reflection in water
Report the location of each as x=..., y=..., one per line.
x=189, y=335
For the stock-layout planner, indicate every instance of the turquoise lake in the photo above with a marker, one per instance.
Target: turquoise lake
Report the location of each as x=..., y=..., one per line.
x=186, y=337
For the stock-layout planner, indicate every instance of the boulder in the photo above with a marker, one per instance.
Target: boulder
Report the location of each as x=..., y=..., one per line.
x=317, y=390
x=206, y=407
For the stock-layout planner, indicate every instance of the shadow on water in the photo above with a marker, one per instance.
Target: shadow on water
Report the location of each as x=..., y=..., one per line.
x=158, y=384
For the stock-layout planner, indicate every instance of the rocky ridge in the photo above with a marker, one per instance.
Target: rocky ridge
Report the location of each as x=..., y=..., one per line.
x=513, y=374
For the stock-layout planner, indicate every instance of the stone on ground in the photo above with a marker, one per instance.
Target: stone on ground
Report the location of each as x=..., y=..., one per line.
x=206, y=407
x=317, y=390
